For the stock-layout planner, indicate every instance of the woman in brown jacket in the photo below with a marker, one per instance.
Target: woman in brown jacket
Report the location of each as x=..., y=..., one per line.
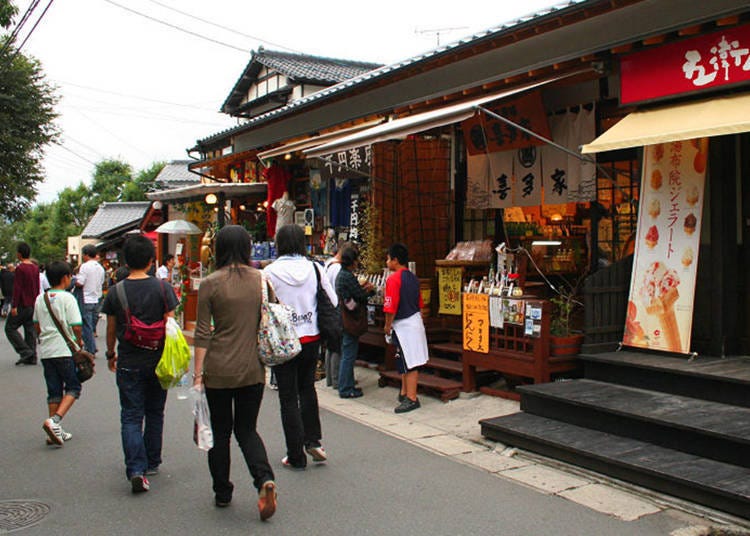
x=227, y=365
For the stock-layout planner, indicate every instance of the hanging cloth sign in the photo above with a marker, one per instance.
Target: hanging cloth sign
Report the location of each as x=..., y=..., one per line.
x=501, y=168
x=477, y=182
x=527, y=186
x=476, y=323
x=662, y=286
x=484, y=134
x=449, y=283
x=352, y=163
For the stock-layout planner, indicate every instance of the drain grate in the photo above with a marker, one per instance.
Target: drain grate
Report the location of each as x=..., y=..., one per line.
x=15, y=515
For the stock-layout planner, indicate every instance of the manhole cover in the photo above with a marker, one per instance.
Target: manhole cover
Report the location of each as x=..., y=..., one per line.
x=15, y=515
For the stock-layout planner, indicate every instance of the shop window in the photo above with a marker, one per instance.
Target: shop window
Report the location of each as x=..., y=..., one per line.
x=618, y=200
x=478, y=224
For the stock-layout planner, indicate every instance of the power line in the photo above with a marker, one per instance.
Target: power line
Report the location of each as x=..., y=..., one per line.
x=17, y=29
x=178, y=28
x=34, y=27
x=145, y=115
x=131, y=96
x=75, y=153
x=222, y=27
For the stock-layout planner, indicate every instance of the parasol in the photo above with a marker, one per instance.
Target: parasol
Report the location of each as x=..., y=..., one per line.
x=178, y=227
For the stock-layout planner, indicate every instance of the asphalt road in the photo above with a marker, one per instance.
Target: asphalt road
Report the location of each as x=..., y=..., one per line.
x=374, y=484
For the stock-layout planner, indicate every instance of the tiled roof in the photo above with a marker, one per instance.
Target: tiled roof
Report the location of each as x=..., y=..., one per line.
x=299, y=67
x=115, y=217
x=382, y=72
x=313, y=68
x=176, y=174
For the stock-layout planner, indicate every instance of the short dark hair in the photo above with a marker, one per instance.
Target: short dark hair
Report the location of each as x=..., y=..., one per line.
x=138, y=252
x=24, y=250
x=56, y=271
x=349, y=256
x=232, y=246
x=290, y=240
x=121, y=273
x=168, y=257
x=89, y=250
x=399, y=252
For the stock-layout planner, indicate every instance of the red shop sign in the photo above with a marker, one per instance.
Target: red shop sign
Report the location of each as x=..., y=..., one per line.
x=707, y=61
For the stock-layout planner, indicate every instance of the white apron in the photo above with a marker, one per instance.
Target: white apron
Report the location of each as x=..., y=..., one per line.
x=413, y=340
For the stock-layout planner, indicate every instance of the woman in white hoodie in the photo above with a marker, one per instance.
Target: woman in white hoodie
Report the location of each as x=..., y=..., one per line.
x=293, y=278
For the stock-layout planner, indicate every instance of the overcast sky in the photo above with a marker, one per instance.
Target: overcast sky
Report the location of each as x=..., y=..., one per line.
x=138, y=90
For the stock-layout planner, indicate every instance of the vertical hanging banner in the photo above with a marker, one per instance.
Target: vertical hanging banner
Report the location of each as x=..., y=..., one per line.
x=662, y=286
x=501, y=169
x=527, y=189
x=449, y=284
x=476, y=322
x=477, y=182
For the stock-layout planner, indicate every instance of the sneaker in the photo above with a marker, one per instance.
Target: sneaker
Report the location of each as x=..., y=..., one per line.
x=267, y=500
x=354, y=393
x=66, y=436
x=222, y=503
x=286, y=463
x=401, y=398
x=139, y=483
x=407, y=405
x=54, y=431
x=151, y=471
x=317, y=453
x=273, y=386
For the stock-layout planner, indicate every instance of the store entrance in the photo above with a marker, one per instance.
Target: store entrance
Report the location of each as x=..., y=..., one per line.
x=721, y=319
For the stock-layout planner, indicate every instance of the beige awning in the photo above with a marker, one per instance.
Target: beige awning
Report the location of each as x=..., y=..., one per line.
x=400, y=128
x=313, y=141
x=232, y=190
x=711, y=117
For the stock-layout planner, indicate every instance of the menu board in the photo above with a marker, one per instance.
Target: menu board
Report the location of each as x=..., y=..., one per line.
x=662, y=286
x=476, y=322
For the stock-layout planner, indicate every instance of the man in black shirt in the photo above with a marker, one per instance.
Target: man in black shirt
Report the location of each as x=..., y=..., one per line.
x=6, y=288
x=141, y=396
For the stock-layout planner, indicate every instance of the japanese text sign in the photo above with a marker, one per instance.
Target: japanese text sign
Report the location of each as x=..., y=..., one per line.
x=662, y=287
x=347, y=164
x=717, y=59
x=485, y=134
x=449, y=283
x=476, y=322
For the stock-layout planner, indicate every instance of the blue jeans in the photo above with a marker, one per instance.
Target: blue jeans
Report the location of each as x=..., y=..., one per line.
x=90, y=314
x=349, y=352
x=60, y=376
x=141, y=397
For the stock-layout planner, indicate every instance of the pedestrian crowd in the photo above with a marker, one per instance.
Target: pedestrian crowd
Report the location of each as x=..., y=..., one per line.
x=226, y=366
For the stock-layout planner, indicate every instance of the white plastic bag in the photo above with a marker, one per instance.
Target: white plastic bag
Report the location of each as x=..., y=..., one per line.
x=203, y=435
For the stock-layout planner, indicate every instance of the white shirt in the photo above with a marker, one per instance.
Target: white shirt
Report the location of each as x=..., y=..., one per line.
x=284, y=212
x=65, y=306
x=91, y=277
x=163, y=272
x=332, y=271
x=43, y=283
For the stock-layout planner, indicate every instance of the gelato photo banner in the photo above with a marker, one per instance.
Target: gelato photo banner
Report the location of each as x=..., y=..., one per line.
x=670, y=211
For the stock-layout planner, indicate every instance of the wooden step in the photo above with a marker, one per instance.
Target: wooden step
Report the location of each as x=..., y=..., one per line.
x=725, y=380
x=444, y=388
x=700, y=427
x=447, y=348
x=447, y=365
x=715, y=484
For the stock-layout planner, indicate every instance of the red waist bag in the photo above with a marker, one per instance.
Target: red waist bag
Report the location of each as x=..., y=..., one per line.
x=137, y=332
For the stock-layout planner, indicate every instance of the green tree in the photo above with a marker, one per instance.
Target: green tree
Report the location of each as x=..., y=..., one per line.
x=27, y=116
x=110, y=177
x=144, y=182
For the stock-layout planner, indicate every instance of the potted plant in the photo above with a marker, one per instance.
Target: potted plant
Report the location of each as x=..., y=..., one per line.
x=564, y=340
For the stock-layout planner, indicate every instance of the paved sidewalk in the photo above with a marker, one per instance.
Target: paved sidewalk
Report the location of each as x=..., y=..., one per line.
x=452, y=429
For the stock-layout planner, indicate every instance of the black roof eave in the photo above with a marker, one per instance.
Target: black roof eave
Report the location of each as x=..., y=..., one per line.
x=598, y=33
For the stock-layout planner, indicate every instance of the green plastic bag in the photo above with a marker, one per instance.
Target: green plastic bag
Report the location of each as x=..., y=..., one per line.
x=175, y=359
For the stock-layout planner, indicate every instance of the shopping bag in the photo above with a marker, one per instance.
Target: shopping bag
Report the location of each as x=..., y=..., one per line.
x=277, y=339
x=175, y=359
x=203, y=435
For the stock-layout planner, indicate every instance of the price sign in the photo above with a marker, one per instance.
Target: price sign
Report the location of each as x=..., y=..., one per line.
x=476, y=322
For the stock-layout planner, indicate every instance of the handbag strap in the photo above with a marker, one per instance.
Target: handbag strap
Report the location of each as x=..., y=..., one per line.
x=263, y=287
x=122, y=296
x=71, y=345
x=317, y=275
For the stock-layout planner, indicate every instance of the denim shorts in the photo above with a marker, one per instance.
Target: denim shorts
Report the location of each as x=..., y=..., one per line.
x=61, y=378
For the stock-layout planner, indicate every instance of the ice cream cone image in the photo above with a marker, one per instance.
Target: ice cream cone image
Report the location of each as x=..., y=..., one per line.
x=659, y=292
